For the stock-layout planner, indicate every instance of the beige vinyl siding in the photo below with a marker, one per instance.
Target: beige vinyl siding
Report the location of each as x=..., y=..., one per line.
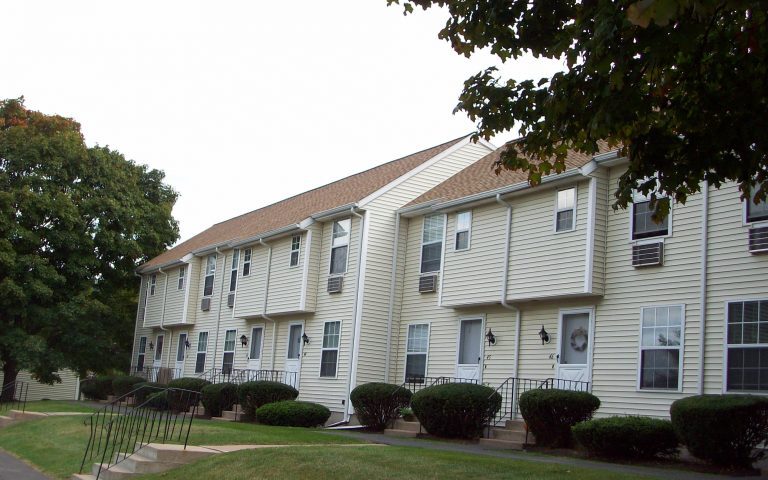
x=249, y=300
x=311, y=255
x=733, y=275
x=604, y=199
x=381, y=233
x=154, y=307
x=195, y=293
x=544, y=263
x=286, y=281
x=474, y=275
x=66, y=390
x=174, y=301
x=208, y=320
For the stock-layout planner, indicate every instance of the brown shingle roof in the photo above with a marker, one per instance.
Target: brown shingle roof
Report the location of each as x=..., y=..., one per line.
x=295, y=209
x=480, y=177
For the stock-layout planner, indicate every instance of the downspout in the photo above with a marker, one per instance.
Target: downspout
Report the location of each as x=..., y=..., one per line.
x=703, y=296
x=505, y=280
x=392, y=284
x=357, y=322
x=162, y=317
x=218, y=314
x=264, y=306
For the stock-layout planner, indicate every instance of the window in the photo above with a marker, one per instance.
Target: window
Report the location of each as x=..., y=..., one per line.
x=182, y=275
x=565, y=213
x=257, y=333
x=759, y=212
x=233, y=275
x=159, y=347
x=152, y=283
x=340, y=245
x=643, y=225
x=181, y=348
x=229, y=352
x=329, y=357
x=246, y=262
x=661, y=346
x=747, y=347
x=210, y=272
x=202, y=349
x=416, y=352
x=295, y=248
x=463, y=228
x=142, y=354
x=432, y=243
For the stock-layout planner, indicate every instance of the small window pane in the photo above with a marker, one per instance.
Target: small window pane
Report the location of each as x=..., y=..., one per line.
x=256, y=335
x=565, y=220
x=415, y=366
x=566, y=198
x=643, y=225
x=294, y=341
x=659, y=369
x=227, y=362
x=328, y=362
x=229, y=340
x=418, y=338
x=233, y=281
x=756, y=212
x=339, y=260
x=341, y=232
x=431, y=257
x=433, y=228
x=462, y=240
x=463, y=220
x=331, y=335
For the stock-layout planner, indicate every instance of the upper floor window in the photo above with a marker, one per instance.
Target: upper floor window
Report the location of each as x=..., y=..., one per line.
x=210, y=273
x=463, y=230
x=747, y=346
x=661, y=347
x=432, y=243
x=643, y=224
x=182, y=276
x=152, y=283
x=340, y=245
x=759, y=212
x=565, y=214
x=233, y=275
x=295, y=249
x=246, y=262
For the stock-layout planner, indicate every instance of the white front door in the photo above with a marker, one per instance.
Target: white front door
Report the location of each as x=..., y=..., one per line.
x=181, y=354
x=574, y=350
x=158, y=361
x=254, y=354
x=469, y=358
x=293, y=355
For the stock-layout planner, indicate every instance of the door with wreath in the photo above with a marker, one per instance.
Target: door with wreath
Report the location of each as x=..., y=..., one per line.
x=575, y=350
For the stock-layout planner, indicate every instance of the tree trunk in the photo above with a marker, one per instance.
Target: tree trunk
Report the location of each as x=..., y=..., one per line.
x=10, y=372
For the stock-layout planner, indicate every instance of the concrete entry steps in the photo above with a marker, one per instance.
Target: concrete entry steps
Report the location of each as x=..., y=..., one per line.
x=512, y=436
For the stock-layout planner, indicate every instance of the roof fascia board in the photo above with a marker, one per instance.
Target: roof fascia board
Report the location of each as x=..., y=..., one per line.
x=487, y=144
x=266, y=235
x=333, y=213
x=419, y=209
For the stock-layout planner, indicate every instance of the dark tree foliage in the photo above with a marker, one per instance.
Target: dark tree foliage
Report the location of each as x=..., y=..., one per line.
x=74, y=224
x=679, y=85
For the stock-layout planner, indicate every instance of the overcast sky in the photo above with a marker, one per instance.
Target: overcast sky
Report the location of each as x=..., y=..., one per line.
x=243, y=103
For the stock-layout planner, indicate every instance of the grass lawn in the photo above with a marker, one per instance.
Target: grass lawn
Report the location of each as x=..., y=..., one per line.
x=332, y=463
x=56, y=444
x=58, y=406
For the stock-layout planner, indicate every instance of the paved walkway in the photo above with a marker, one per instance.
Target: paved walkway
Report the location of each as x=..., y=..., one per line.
x=665, y=473
x=11, y=468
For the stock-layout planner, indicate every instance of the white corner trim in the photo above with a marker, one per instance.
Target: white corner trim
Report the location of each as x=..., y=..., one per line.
x=188, y=288
x=358, y=315
x=589, y=255
x=442, y=262
x=305, y=271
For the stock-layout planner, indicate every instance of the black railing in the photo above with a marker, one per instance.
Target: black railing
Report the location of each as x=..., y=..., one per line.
x=416, y=383
x=158, y=374
x=17, y=392
x=241, y=375
x=117, y=431
x=563, y=384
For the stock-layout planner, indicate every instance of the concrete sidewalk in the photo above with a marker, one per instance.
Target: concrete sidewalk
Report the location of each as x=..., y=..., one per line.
x=11, y=468
x=664, y=473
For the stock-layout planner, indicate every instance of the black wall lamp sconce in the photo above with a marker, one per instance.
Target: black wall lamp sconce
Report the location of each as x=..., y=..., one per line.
x=305, y=338
x=243, y=341
x=544, y=335
x=151, y=346
x=187, y=344
x=491, y=337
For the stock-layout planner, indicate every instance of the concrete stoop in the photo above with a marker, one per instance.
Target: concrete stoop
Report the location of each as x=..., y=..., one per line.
x=402, y=428
x=234, y=415
x=510, y=437
x=152, y=458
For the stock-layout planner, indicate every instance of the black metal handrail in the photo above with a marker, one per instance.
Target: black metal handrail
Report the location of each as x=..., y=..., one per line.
x=17, y=391
x=117, y=431
x=157, y=374
x=565, y=384
x=241, y=375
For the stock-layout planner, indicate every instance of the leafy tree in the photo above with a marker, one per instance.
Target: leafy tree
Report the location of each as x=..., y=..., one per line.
x=680, y=85
x=74, y=224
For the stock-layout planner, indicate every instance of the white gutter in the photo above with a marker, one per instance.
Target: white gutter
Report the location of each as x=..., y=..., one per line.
x=703, y=279
x=357, y=310
x=221, y=293
x=333, y=212
x=392, y=285
x=505, y=283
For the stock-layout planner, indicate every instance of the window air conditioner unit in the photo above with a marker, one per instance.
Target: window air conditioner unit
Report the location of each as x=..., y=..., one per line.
x=335, y=284
x=427, y=283
x=205, y=305
x=758, y=240
x=231, y=300
x=648, y=254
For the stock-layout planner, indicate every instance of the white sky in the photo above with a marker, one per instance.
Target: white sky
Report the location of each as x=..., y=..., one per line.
x=243, y=103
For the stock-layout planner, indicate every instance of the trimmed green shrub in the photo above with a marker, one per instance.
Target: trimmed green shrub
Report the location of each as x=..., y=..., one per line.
x=219, y=397
x=253, y=395
x=550, y=414
x=455, y=409
x=290, y=413
x=378, y=403
x=626, y=437
x=124, y=384
x=97, y=388
x=158, y=400
x=722, y=429
x=181, y=401
x=142, y=394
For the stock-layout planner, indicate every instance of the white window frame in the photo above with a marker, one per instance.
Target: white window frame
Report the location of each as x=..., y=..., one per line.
x=638, y=197
x=572, y=208
x=297, y=251
x=680, y=348
x=727, y=345
x=198, y=352
x=233, y=270
x=324, y=349
x=261, y=343
x=152, y=284
x=142, y=353
x=210, y=271
x=330, y=257
x=247, y=255
x=225, y=351
x=457, y=231
x=442, y=241
x=182, y=277
x=426, y=354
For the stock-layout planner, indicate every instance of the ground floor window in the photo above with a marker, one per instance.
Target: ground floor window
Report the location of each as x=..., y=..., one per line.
x=228, y=360
x=329, y=358
x=747, y=346
x=202, y=350
x=417, y=346
x=661, y=347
